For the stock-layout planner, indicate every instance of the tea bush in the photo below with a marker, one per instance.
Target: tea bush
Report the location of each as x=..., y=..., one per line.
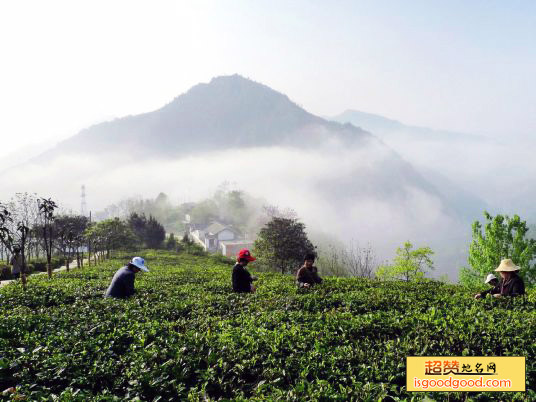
x=5, y=271
x=185, y=335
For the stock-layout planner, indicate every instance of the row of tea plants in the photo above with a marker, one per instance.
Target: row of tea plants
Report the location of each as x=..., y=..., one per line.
x=185, y=335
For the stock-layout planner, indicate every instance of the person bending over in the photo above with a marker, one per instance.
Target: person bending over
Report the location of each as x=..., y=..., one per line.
x=493, y=282
x=122, y=285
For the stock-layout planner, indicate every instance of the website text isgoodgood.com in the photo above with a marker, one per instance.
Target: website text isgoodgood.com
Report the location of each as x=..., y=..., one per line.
x=454, y=383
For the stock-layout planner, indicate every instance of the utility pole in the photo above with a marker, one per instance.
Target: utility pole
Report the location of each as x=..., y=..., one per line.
x=83, y=205
x=89, y=244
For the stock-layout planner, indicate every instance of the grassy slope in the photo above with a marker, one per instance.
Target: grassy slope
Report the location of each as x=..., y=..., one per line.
x=186, y=335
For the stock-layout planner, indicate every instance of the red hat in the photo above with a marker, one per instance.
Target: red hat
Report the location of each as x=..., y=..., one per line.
x=245, y=254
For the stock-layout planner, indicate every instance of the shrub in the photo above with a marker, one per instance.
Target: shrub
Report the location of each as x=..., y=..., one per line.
x=185, y=336
x=5, y=272
x=497, y=238
x=222, y=259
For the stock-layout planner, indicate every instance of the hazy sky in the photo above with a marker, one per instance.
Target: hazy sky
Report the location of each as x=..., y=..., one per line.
x=460, y=65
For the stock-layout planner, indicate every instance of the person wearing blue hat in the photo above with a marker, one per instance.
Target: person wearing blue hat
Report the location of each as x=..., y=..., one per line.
x=122, y=285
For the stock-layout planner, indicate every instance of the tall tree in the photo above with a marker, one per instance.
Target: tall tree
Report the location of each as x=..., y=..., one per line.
x=115, y=235
x=204, y=211
x=171, y=242
x=149, y=232
x=80, y=224
x=14, y=231
x=69, y=230
x=25, y=209
x=155, y=233
x=63, y=236
x=138, y=224
x=282, y=243
x=498, y=238
x=46, y=215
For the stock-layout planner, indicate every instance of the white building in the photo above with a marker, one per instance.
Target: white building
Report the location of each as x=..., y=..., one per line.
x=211, y=236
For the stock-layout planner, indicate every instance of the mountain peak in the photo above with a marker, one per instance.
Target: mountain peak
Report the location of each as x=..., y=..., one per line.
x=233, y=88
x=234, y=78
x=227, y=112
x=237, y=80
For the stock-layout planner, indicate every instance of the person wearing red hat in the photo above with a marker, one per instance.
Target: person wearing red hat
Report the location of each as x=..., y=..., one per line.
x=242, y=279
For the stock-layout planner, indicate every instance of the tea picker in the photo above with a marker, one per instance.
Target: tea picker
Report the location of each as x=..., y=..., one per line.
x=122, y=285
x=307, y=275
x=494, y=289
x=241, y=278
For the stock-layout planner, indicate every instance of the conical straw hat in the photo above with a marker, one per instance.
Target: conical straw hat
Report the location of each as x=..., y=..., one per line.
x=507, y=265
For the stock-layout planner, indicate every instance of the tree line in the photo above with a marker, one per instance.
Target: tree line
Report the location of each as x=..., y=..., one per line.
x=282, y=243
x=34, y=227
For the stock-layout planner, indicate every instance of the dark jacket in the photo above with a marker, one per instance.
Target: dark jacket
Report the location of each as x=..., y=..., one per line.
x=16, y=261
x=122, y=284
x=241, y=279
x=491, y=291
x=306, y=275
x=513, y=287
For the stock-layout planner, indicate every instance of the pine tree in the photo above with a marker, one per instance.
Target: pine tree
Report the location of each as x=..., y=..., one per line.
x=155, y=233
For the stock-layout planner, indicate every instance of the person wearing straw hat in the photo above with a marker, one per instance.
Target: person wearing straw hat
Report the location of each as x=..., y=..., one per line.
x=511, y=284
x=494, y=289
x=122, y=285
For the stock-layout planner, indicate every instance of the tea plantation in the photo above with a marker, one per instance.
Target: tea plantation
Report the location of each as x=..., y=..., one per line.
x=185, y=335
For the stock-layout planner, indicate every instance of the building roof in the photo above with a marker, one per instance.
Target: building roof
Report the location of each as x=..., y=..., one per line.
x=217, y=227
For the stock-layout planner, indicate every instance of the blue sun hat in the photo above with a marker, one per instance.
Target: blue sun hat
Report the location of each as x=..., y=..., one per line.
x=139, y=263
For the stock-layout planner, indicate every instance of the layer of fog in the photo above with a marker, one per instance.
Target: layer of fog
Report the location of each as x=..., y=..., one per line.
x=500, y=173
x=315, y=183
x=23, y=154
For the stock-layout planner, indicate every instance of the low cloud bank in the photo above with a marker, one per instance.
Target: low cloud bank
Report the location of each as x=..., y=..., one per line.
x=348, y=195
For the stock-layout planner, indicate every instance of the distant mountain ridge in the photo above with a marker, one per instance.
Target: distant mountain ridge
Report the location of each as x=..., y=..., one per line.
x=22, y=155
x=381, y=126
x=339, y=178
x=232, y=112
x=434, y=153
x=229, y=111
